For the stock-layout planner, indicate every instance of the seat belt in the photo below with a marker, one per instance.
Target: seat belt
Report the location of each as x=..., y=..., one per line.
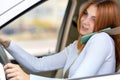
x=113, y=31
x=67, y=71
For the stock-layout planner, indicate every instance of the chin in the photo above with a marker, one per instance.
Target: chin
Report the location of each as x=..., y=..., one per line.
x=83, y=33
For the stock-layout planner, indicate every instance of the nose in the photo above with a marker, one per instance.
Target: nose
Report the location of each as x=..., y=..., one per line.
x=86, y=20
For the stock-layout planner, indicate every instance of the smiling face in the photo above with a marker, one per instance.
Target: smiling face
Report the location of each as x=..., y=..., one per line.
x=87, y=20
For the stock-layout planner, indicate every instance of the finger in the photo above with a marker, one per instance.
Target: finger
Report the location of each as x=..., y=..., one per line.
x=12, y=75
x=15, y=78
x=7, y=71
x=9, y=65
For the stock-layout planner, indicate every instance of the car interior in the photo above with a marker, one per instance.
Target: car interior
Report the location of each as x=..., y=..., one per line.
x=67, y=34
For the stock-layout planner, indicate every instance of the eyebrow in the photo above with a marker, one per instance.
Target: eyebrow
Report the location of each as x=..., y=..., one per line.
x=88, y=13
x=91, y=16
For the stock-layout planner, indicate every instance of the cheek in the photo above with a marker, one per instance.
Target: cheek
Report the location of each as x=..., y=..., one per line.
x=92, y=28
x=82, y=19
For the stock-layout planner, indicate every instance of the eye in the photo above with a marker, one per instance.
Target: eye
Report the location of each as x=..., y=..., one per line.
x=93, y=19
x=85, y=13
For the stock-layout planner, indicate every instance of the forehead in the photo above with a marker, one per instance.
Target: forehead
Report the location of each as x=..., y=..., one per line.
x=92, y=9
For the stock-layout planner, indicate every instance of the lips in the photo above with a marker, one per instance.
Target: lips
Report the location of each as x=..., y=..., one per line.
x=84, y=28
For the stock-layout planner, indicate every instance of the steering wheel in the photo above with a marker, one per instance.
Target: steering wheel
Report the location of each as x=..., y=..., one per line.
x=3, y=57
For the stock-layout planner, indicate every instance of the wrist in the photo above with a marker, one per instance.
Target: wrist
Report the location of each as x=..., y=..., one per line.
x=28, y=77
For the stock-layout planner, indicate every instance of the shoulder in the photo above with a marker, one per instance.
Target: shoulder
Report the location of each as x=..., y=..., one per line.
x=101, y=40
x=101, y=43
x=101, y=37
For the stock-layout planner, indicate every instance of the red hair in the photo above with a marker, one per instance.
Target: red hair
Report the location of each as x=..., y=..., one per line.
x=108, y=15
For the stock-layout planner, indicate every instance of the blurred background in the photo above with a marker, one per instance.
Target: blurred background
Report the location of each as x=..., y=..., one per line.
x=37, y=30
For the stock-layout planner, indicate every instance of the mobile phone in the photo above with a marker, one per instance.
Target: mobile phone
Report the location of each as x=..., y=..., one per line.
x=85, y=38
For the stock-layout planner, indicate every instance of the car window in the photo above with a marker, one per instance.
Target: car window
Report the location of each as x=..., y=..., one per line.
x=37, y=30
x=11, y=9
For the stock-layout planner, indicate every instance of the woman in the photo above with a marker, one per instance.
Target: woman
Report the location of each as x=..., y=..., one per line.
x=96, y=57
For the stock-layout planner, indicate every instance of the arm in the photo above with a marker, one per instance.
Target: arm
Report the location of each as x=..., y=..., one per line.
x=35, y=64
x=97, y=52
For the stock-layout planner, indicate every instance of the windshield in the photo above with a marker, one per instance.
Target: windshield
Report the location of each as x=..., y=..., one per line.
x=37, y=30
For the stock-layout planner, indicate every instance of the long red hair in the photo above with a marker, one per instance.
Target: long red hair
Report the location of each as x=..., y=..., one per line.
x=108, y=15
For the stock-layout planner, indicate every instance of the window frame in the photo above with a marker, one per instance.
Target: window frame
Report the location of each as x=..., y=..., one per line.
x=23, y=12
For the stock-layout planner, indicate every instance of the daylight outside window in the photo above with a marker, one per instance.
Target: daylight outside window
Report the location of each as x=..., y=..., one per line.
x=37, y=30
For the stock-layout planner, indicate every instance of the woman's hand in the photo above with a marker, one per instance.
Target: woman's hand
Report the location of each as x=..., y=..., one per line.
x=14, y=72
x=4, y=41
